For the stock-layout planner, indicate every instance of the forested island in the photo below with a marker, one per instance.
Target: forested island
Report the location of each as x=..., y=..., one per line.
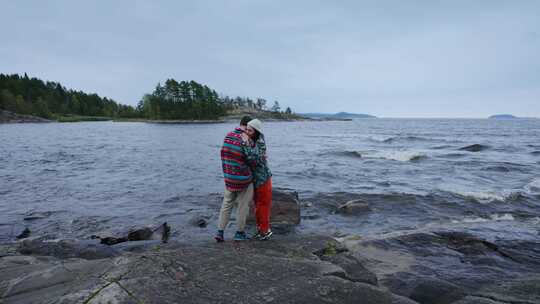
x=184, y=100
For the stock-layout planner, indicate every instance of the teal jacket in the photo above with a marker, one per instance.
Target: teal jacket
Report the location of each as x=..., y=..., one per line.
x=256, y=159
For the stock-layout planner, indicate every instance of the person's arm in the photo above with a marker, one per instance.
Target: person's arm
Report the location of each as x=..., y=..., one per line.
x=252, y=152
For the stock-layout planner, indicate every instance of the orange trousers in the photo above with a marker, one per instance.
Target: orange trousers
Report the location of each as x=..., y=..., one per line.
x=263, y=205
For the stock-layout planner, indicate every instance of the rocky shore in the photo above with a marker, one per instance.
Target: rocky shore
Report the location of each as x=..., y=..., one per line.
x=420, y=268
x=439, y=266
x=10, y=117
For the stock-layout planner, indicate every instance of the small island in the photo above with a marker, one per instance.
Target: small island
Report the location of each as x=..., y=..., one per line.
x=503, y=116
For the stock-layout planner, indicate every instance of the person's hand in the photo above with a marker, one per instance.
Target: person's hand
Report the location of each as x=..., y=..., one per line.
x=245, y=137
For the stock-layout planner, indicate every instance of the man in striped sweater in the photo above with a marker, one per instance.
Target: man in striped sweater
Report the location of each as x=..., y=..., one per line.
x=238, y=183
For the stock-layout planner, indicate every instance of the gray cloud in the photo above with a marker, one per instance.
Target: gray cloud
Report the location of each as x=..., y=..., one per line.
x=388, y=58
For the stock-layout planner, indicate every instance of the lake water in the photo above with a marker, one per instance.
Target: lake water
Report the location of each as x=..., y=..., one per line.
x=107, y=177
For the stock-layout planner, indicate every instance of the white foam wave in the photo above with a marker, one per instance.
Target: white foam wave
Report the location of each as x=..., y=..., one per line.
x=491, y=218
x=403, y=156
x=379, y=138
x=486, y=196
x=482, y=196
x=533, y=187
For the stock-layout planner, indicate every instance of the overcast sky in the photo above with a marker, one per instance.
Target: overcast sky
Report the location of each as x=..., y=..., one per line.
x=386, y=58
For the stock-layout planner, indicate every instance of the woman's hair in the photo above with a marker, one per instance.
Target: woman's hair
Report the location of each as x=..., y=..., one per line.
x=257, y=135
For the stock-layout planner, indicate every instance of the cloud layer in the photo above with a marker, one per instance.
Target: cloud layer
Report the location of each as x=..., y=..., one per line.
x=392, y=58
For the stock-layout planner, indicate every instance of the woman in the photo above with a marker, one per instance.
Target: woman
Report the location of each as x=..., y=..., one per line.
x=254, y=147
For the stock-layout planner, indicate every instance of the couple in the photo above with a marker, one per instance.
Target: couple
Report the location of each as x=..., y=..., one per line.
x=247, y=178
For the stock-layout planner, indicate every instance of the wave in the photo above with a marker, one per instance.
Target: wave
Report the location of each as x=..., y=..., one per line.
x=498, y=168
x=407, y=138
x=506, y=167
x=403, y=156
x=410, y=138
x=441, y=147
x=379, y=138
x=487, y=196
x=493, y=217
x=535, y=152
x=533, y=187
x=355, y=154
x=507, y=148
x=453, y=155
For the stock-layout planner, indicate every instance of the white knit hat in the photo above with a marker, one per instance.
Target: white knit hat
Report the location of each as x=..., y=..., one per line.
x=256, y=124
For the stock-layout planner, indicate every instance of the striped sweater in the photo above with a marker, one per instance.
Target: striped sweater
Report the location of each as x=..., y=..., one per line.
x=235, y=169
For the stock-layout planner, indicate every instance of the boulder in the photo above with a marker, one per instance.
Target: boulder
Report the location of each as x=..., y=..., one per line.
x=24, y=234
x=354, y=207
x=474, y=148
x=285, y=212
x=140, y=234
x=200, y=221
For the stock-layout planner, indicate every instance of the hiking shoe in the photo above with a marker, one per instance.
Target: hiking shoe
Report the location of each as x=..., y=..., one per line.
x=219, y=236
x=240, y=236
x=257, y=236
x=265, y=236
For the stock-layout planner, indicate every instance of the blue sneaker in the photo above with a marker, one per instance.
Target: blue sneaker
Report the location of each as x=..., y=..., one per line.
x=240, y=236
x=219, y=236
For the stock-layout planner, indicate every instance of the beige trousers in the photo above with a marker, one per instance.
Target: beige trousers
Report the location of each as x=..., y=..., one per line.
x=242, y=200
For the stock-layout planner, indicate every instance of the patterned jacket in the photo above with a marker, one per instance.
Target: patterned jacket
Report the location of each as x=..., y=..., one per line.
x=256, y=157
x=236, y=172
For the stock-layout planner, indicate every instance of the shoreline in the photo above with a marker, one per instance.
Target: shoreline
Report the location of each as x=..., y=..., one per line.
x=454, y=264
x=421, y=267
x=7, y=117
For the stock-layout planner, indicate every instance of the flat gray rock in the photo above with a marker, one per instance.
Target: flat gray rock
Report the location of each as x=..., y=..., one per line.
x=276, y=271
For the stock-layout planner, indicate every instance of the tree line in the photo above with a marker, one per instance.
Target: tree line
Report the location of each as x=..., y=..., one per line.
x=181, y=100
x=32, y=96
x=172, y=100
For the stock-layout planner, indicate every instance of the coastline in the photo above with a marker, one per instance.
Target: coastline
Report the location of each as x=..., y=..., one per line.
x=433, y=265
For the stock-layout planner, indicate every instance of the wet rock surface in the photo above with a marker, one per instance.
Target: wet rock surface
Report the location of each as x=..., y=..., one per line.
x=429, y=267
x=63, y=249
x=453, y=267
x=283, y=270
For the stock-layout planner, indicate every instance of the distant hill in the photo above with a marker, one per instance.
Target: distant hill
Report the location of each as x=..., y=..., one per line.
x=503, y=116
x=340, y=115
x=353, y=115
